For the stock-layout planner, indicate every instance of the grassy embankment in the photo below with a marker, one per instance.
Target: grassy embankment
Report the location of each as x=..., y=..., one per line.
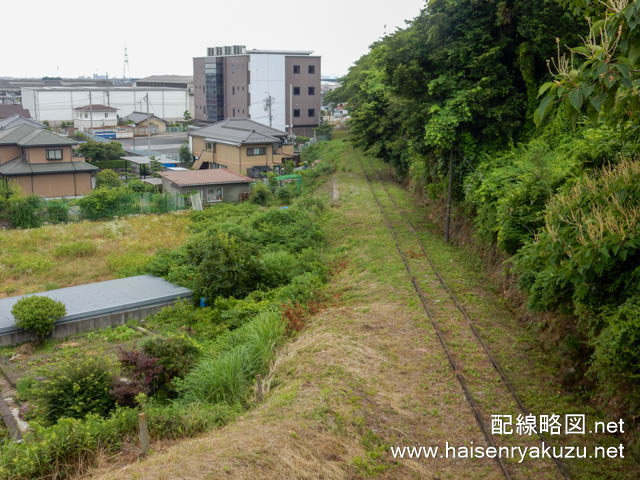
x=57, y=256
x=368, y=372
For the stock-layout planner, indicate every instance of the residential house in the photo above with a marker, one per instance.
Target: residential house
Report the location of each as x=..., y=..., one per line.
x=7, y=110
x=139, y=120
x=214, y=186
x=41, y=162
x=239, y=145
x=95, y=117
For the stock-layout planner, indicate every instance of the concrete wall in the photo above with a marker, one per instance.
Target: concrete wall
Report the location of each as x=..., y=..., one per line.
x=303, y=102
x=63, y=330
x=56, y=105
x=231, y=192
x=268, y=76
x=8, y=152
x=83, y=120
x=236, y=86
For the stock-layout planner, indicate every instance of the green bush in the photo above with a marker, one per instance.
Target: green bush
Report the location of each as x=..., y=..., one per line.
x=38, y=315
x=57, y=211
x=105, y=203
x=279, y=267
x=80, y=248
x=260, y=194
x=108, y=179
x=74, y=389
x=26, y=212
x=176, y=355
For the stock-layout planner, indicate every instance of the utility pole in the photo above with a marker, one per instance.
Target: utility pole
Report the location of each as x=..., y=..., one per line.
x=148, y=126
x=268, y=104
x=108, y=97
x=91, y=111
x=449, y=195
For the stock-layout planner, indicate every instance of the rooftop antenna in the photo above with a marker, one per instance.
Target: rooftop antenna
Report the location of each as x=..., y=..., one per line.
x=125, y=69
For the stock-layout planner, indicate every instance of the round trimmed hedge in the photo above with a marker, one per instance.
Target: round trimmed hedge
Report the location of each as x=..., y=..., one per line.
x=38, y=314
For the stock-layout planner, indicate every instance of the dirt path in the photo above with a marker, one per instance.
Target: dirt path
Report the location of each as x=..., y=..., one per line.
x=369, y=373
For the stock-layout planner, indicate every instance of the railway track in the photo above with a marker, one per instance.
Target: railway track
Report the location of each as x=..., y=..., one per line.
x=560, y=468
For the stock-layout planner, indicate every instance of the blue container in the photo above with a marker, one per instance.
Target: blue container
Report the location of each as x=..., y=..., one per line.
x=203, y=302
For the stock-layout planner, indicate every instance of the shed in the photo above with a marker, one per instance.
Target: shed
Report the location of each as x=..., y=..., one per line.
x=214, y=185
x=140, y=124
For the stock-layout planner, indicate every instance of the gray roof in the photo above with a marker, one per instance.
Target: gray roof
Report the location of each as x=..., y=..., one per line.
x=96, y=108
x=138, y=117
x=281, y=52
x=6, y=110
x=31, y=136
x=167, y=79
x=239, y=132
x=19, y=166
x=17, y=120
x=92, y=299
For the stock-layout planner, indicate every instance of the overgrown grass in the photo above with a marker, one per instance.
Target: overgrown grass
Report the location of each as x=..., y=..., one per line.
x=76, y=253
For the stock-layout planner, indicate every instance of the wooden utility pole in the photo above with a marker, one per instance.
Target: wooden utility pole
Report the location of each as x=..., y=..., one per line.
x=449, y=195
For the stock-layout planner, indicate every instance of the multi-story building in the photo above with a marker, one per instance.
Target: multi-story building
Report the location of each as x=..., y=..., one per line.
x=278, y=88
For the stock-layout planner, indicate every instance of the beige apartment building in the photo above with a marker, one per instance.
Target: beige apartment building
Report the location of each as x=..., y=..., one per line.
x=40, y=162
x=243, y=146
x=278, y=88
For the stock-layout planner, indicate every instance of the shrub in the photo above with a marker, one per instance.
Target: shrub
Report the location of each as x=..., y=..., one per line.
x=74, y=388
x=279, y=267
x=108, y=179
x=81, y=248
x=260, y=194
x=57, y=211
x=141, y=370
x=176, y=356
x=38, y=315
x=104, y=203
x=26, y=212
x=227, y=371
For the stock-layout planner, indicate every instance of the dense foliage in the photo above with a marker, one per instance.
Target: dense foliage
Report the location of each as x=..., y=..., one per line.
x=544, y=146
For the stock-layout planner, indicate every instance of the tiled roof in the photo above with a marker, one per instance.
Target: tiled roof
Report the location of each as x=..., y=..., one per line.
x=138, y=117
x=13, y=109
x=30, y=136
x=213, y=176
x=96, y=108
x=19, y=166
x=17, y=120
x=240, y=132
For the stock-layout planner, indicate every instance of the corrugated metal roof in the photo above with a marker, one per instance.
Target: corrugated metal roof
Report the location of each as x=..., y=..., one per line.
x=92, y=299
x=213, y=176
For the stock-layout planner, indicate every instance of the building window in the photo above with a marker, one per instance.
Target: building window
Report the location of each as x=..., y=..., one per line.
x=106, y=115
x=296, y=112
x=312, y=90
x=86, y=115
x=296, y=90
x=234, y=112
x=233, y=90
x=211, y=147
x=296, y=69
x=214, y=194
x=54, y=154
x=312, y=112
x=253, y=151
x=312, y=69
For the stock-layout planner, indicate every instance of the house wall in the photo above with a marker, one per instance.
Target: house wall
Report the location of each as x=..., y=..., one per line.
x=236, y=158
x=231, y=192
x=82, y=119
x=54, y=185
x=39, y=155
x=8, y=152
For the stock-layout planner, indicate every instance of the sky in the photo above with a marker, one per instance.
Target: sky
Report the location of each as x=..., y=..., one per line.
x=70, y=38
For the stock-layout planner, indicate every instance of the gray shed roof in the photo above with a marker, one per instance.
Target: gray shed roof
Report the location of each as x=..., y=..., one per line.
x=19, y=166
x=239, y=132
x=139, y=117
x=17, y=120
x=92, y=299
x=30, y=136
